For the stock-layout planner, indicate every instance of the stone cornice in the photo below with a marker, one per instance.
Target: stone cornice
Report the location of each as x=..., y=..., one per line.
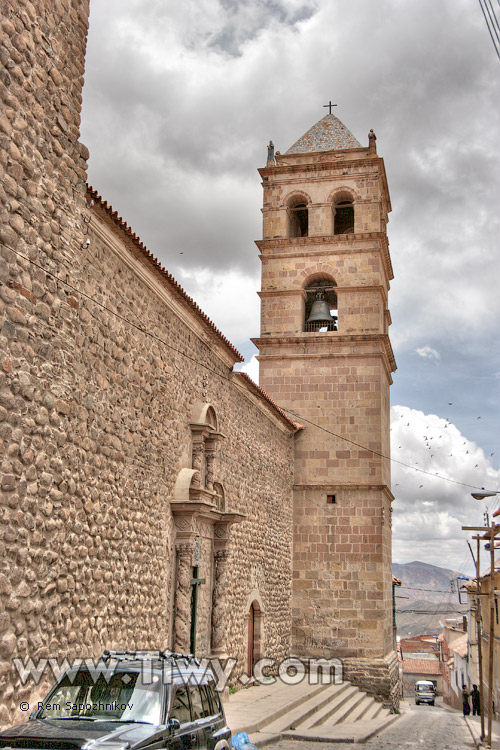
x=320, y=163
x=334, y=161
x=336, y=244
x=325, y=239
x=326, y=340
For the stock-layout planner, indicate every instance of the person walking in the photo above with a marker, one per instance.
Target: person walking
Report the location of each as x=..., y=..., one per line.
x=465, y=701
x=476, y=701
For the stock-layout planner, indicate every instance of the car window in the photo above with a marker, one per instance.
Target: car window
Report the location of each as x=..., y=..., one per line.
x=199, y=709
x=121, y=696
x=180, y=705
x=214, y=698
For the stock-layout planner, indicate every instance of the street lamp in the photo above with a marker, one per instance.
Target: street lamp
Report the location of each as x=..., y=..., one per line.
x=481, y=495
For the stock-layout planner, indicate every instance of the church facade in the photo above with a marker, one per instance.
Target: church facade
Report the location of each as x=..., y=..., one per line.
x=151, y=496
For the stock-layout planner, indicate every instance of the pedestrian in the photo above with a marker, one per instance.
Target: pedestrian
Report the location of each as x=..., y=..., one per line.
x=465, y=701
x=476, y=701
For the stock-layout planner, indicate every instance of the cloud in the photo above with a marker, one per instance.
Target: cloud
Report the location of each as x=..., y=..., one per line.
x=427, y=352
x=251, y=368
x=229, y=298
x=180, y=101
x=434, y=470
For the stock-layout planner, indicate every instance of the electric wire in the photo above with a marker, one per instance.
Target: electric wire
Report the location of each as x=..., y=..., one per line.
x=494, y=17
x=228, y=377
x=489, y=29
x=376, y=453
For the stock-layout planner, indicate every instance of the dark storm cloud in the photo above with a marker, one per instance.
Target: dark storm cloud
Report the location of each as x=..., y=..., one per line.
x=179, y=104
x=244, y=19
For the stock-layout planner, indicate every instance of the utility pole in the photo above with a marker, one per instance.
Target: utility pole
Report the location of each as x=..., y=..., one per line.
x=492, y=631
x=488, y=535
x=479, y=635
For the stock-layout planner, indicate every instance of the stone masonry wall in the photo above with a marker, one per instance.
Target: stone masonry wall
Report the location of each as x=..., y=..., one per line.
x=42, y=188
x=99, y=372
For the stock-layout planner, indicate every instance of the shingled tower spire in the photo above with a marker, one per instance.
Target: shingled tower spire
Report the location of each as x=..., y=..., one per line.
x=325, y=356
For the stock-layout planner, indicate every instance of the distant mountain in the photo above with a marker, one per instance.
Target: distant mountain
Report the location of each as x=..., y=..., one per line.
x=428, y=596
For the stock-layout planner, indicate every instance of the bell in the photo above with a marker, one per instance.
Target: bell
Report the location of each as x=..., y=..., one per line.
x=320, y=311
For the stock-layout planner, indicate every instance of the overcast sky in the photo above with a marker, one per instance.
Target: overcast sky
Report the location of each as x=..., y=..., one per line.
x=180, y=101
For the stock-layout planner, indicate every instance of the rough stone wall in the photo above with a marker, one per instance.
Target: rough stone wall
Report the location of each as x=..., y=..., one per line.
x=42, y=188
x=101, y=363
x=377, y=677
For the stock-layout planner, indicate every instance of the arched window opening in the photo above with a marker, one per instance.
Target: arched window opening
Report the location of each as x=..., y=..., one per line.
x=219, y=497
x=298, y=217
x=320, y=310
x=211, y=417
x=343, y=217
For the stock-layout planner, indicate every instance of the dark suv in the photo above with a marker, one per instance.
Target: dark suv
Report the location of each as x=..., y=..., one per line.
x=128, y=700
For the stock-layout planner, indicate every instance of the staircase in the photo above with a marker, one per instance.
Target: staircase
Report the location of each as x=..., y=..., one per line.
x=331, y=712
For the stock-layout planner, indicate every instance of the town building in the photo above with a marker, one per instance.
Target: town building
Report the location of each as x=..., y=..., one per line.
x=454, y=656
x=481, y=610
x=420, y=660
x=152, y=496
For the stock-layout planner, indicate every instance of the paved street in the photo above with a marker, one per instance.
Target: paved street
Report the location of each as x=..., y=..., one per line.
x=432, y=728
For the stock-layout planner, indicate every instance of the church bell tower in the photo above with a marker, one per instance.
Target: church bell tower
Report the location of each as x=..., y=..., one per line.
x=325, y=357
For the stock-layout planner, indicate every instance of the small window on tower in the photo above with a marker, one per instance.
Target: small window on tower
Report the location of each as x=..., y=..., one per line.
x=330, y=499
x=298, y=216
x=343, y=220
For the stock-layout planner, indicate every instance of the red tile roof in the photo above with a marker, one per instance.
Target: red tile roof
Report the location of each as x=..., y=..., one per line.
x=421, y=666
x=176, y=287
x=93, y=195
x=266, y=397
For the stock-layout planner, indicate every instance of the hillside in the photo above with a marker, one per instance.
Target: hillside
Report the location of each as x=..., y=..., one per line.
x=425, y=598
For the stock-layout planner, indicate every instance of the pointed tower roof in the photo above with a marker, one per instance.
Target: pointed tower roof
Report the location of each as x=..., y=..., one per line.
x=329, y=134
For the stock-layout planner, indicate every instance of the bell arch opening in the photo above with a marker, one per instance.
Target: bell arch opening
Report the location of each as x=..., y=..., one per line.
x=298, y=217
x=320, y=306
x=343, y=213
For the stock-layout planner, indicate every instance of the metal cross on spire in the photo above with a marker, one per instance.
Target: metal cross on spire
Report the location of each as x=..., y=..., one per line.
x=329, y=105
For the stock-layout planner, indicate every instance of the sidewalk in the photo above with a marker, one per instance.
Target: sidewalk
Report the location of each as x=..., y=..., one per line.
x=474, y=724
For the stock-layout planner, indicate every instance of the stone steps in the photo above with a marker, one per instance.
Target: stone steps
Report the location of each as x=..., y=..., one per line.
x=314, y=712
x=326, y=713
x=305, y=710
x=333, y=713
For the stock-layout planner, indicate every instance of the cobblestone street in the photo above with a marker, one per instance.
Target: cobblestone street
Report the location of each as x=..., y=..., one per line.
x=432, y=728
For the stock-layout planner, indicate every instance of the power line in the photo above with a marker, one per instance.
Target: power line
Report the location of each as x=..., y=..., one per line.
x=228, y=378
x=376, y=453
x=489, y=29
x=430, y=612
x=431, y=591
x=494, y=16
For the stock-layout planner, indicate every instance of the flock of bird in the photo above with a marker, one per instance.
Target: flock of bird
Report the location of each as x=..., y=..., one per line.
x=435, y=446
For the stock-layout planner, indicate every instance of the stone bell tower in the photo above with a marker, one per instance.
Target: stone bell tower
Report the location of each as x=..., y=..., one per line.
x=325, y=356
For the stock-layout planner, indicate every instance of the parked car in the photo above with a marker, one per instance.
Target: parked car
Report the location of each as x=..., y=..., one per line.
x=425, y=692
x=128, y=701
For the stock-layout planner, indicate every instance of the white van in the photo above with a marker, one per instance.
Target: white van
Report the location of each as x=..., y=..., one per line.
x=425, y=692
